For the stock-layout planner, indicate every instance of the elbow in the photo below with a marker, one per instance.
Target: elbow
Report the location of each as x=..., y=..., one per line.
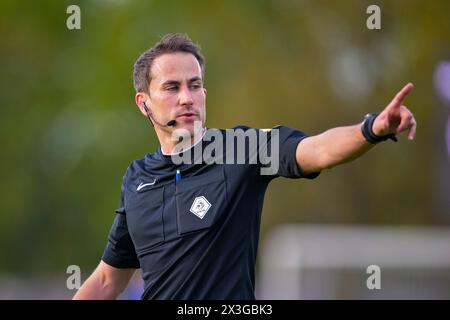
x=314, y=164
x=110, y=291
x=110, y=288
x=326, y=161
x=313, y=157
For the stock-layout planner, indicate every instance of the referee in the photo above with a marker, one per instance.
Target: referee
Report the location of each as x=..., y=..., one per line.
x=193, y=227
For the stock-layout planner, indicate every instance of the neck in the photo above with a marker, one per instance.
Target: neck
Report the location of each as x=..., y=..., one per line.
x=168, y=143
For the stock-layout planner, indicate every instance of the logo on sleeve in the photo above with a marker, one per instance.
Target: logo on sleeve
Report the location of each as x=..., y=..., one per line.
x=200, y=206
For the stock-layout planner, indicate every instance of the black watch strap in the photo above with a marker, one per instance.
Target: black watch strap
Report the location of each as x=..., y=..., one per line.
x=367, y=132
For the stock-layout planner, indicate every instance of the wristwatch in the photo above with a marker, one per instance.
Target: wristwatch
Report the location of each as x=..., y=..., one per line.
x=366, y=129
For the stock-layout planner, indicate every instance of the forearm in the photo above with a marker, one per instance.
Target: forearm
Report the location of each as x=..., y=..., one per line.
x=331, y=148
x=342, y=144
x=96, y=287
x=105, y=283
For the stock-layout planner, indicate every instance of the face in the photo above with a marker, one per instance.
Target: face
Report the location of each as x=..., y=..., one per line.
x=176, y=92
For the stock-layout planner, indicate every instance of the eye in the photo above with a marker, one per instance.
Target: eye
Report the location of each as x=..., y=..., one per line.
x=172, y=88
x=196, y=86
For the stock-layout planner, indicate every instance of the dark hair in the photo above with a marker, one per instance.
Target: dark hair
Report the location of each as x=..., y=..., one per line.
x=170, y=43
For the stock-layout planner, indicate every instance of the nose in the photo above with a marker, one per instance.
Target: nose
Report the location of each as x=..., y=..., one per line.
x=185, y=97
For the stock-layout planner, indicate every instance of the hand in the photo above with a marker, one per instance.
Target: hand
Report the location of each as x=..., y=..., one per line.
x=396, y=118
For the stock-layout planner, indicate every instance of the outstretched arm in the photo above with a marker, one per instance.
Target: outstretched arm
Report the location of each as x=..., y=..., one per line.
x=343, y=144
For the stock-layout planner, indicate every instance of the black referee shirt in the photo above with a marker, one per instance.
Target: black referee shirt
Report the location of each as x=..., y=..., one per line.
x=195, y=238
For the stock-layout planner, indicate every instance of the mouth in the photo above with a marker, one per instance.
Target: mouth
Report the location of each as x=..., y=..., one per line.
x=187, y=115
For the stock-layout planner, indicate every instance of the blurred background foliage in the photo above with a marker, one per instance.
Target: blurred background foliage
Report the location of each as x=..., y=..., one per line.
x=69, y=125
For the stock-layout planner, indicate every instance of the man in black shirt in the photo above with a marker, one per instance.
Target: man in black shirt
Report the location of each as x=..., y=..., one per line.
x=189, y=214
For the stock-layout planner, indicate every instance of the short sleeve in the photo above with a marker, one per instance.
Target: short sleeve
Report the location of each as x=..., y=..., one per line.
x=119, y=251
x=281, y=144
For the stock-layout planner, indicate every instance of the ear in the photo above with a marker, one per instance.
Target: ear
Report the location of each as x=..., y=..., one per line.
x=204, y=90
x=140, y=98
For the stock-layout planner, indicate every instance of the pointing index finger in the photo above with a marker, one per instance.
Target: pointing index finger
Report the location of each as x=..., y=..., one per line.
x=402, y=94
